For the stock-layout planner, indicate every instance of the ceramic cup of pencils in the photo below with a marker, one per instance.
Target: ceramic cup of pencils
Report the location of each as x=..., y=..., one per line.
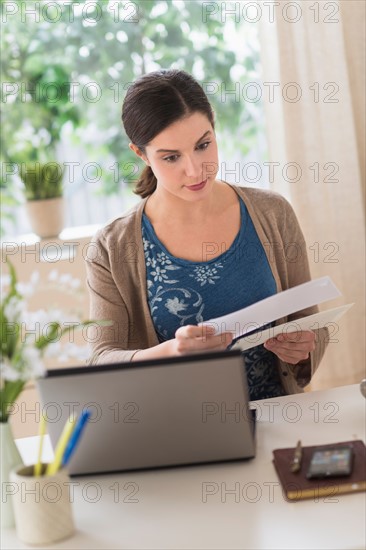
x=41, y=493
x=42, y=505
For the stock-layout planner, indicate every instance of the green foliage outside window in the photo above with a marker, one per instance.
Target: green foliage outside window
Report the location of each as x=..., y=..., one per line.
x=77, y=72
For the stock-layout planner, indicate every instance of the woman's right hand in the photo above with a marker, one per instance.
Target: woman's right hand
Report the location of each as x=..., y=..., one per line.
x=188, y=339
x=193, y=339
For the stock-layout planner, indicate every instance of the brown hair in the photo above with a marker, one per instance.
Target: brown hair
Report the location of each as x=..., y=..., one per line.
x=155, y=101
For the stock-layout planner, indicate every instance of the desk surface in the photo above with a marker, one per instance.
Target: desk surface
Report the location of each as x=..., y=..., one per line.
x=228, y=505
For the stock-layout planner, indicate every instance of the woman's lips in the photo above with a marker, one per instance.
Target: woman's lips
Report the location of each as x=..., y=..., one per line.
x=198, y=186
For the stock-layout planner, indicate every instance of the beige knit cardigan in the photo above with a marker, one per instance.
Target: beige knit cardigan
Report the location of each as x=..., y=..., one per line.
x=116, y=279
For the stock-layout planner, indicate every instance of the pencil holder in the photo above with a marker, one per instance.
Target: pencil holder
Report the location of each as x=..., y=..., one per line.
x=42, y=506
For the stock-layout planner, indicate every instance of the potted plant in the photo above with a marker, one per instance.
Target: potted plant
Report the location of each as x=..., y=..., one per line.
x=26, y=337
x=40, y=117
x=44, y=195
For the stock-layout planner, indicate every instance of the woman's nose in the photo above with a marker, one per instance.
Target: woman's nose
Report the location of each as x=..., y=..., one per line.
x=192, y=169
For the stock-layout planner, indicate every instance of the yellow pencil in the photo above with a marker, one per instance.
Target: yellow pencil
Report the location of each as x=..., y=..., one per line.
x=61, y=445
x=42, y=431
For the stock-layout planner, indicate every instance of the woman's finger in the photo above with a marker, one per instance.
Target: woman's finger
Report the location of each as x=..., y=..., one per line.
x=192, y=338
x=299, y=336
x=292, y=356
x=193, y=331
x=293, y=347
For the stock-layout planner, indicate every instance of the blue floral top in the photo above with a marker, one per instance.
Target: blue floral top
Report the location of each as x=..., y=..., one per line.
x=182, y=292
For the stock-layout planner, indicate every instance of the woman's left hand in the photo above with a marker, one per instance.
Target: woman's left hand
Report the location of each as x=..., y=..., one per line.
x=292, y=347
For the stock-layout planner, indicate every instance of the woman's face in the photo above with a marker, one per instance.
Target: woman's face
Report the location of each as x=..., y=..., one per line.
x=184, y=157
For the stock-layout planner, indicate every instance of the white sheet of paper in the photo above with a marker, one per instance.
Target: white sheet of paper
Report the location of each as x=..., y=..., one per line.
x=275, y=307
x=311, y=322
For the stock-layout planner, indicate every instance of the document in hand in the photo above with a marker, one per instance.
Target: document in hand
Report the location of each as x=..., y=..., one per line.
x=277, y=306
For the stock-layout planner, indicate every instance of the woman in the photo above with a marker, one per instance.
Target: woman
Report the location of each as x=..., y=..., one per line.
x=195, y=247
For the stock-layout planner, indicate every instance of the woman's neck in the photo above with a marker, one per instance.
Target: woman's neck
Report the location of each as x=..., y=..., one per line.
x=164, y=207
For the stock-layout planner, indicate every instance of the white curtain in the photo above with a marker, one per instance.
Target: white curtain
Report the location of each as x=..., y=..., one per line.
x=313, y=60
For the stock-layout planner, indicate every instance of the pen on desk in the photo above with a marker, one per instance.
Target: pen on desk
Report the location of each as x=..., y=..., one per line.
x=42, y=430
x=61, y=445
x=296, y=461
x=75, y=436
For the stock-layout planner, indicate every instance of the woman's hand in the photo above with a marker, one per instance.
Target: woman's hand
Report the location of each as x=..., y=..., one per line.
x=193, y=339
x=292, y=347
x=188, y=339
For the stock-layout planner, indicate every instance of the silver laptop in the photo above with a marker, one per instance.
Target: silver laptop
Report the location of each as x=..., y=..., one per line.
x=155, y=413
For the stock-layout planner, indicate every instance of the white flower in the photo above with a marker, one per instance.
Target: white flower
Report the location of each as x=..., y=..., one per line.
x=34, y=278
x=77, y=352
x=53, y=350
x=26, y=362
x=43, y=318
x=53, y=275
x=8, y=371
x=159, y=274
x=150, y=262
x=35, y=319
x=63, y=357
x=147, y=244
x=27, y=367
x=204, y=274
x=175, y=306
x=59, y=316
x=25, y=289
x=163, y=259
x=21, y=359
x=65, y=279
x=75, y=284
x=14, y=309
x=28, y=289
x=4, y=282
x=32, y=363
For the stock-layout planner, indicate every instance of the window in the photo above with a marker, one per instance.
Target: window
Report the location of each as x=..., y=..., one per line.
x=66, y=70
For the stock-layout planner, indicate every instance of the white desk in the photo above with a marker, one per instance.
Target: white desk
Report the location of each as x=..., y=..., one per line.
x=169, y=509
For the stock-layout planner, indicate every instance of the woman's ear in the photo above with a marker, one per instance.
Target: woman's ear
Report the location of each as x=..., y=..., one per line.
x=139, y=153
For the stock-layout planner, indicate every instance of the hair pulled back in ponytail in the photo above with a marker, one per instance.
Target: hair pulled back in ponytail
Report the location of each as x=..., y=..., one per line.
x=155, y=101
x=146, y=184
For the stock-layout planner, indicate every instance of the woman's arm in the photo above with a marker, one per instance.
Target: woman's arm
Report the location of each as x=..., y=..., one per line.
x=188, y=339
x=109, y=344
x=301, y=351
x=120, y=341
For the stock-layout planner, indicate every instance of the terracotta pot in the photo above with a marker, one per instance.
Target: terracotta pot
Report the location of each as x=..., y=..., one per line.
x=46, y=216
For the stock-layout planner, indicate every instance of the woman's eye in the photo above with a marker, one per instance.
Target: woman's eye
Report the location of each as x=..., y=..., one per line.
x=173, y=158
x=204, y=146
x=201, y=147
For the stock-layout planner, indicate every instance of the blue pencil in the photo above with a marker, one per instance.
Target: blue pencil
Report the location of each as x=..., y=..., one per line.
x=75, y=437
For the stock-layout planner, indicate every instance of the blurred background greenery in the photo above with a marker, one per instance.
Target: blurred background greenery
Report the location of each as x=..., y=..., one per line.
x=65, y=72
